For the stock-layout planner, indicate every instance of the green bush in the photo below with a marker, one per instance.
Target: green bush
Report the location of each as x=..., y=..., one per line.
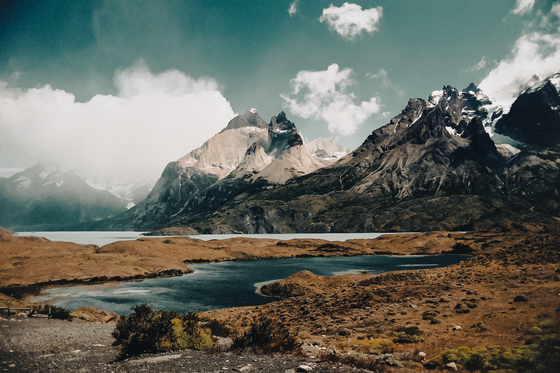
x=155, y=331
x=481, y=359
x=267, y=336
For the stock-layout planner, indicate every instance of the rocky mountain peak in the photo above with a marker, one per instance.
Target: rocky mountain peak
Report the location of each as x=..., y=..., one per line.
x=251, y=118
x=534, y=117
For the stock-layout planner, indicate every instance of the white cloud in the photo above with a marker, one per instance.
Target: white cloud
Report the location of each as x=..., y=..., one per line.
x=322, y=95
x=350, y=20
x=523, y=7
x=155, y=119
x=534, y=54
x=383, y=77
x=478, y=66
x=293, y=8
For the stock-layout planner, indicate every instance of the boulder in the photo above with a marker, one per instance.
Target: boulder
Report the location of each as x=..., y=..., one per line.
x=93, y=314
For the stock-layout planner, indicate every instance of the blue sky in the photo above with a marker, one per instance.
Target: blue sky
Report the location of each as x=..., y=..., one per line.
x=123, y=87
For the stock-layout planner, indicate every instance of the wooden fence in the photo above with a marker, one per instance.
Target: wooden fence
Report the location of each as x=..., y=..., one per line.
x=30, y=309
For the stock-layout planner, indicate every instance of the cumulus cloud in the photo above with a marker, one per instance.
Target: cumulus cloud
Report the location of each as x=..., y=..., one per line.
x=350, y=20
x=154, y=119
x=523, y=7
x=323, y=95
x=293, y=8
x=533, y=54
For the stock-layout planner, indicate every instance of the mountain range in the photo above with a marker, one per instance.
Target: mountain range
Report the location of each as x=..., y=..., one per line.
x=44, y=197
x=455, y=161
x=433, y=166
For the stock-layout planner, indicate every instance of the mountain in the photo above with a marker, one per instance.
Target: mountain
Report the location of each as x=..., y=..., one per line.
x=434, y=166
x=46, y=198
x=245, y=158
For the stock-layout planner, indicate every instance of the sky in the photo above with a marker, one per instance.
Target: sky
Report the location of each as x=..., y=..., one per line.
x=119, y=88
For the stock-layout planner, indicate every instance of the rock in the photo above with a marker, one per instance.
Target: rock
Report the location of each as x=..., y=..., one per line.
x=93, y=314
x=451, y=366
x=304, y=368
x=422, y=356
x=520, y=298
x=244, y=368
x=223, y=344
x=457, y=327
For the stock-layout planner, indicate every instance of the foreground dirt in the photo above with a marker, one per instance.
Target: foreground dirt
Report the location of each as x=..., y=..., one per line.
x=32, y=345
x=510, y=284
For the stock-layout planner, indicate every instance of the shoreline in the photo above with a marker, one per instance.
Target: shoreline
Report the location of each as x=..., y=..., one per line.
x=497, y=297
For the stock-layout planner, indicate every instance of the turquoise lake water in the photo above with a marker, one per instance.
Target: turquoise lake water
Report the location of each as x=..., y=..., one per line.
x=226, y=284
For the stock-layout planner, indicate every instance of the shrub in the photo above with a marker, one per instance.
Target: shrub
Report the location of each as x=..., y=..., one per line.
x=268, y=336
x=150, y=331
x=361, y=362
x=461, y=248
x=375, y=346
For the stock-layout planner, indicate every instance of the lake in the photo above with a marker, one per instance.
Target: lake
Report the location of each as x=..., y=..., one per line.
x=226, y=284
x=101, y=238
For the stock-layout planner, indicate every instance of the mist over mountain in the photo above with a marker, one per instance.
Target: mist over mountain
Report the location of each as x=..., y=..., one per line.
x=46, y=198
x=433, y=166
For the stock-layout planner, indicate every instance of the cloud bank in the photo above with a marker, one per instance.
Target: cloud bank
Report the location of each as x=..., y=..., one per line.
x=535, y=53
x=523, y=6
x=350, y=20
x=154, y=119
x=322, y=95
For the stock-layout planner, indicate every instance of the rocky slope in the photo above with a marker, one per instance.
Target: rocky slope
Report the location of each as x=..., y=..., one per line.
x=46, y=198
x=434, y=166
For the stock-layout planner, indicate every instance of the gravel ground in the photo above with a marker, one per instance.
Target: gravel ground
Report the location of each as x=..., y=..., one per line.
x=41, y=345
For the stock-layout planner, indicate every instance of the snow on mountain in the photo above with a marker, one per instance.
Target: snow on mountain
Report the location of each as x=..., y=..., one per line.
x=326, y=149
x=129, y=192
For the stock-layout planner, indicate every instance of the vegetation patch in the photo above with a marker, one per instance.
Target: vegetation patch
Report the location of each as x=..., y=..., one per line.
x=146, y=330
x=267, y=336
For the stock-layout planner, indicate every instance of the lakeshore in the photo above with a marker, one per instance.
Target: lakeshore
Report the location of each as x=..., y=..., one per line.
x=497, y=297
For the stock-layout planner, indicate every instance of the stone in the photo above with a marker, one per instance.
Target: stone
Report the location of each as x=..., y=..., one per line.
x=244, y=368
x=520, y=298
x=304, y=368
x=457, y=327
x=223, y=344
x=451, y=366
